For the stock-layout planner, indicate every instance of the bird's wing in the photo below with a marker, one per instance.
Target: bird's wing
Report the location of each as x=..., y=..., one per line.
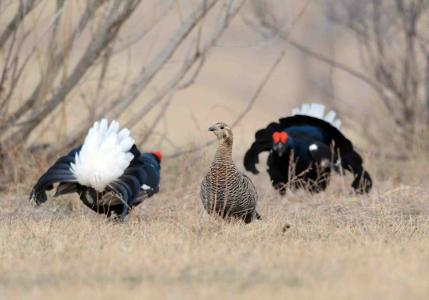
x=352, y=162
x=251, y=185
x=59, y=172
x=343, y=148
x=140, y=177
x=263, y=142
x=319, y=151
x=330, y=132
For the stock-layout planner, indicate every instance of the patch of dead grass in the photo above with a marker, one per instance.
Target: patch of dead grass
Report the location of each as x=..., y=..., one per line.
x=339, y=245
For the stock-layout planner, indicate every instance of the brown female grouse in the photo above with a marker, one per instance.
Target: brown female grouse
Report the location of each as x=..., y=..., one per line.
x=225, y=190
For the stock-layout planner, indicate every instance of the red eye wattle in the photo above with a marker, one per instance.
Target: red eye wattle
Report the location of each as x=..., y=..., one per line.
x=157, y=154
x=283, y=137
x=280, y=137
x=276, y=137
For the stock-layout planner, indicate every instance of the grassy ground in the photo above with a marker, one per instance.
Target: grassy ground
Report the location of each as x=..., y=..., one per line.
x=339, y=245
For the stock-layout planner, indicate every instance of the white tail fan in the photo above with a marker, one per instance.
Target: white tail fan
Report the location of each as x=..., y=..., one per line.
x=104, y=156
x=317, y=110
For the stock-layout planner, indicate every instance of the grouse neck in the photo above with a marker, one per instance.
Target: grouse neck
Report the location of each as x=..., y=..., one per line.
x=223, y=152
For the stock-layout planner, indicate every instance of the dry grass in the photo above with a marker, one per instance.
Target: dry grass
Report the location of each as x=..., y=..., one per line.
x=339, y=246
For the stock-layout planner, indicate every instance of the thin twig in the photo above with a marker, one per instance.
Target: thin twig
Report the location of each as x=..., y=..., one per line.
x=149, y=71
x=256, y=94
x=25, y=7
x=243, y=113
x=106, y=34
x=172, y=83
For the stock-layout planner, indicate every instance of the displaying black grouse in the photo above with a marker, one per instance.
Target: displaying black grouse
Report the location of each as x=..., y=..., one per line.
x=304, y=148
x=108, y=172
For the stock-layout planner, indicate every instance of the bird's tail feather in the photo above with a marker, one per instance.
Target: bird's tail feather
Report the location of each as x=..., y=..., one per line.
x=104, y=156
x=317, y=110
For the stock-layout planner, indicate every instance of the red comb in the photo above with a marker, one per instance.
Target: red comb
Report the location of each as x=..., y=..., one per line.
x=157, y=154
x=283, y=137
x=279, y=137
x=276, y=137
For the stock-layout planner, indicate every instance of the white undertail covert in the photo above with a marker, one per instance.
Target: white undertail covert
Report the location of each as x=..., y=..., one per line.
x=104, y=156
x=317, y=110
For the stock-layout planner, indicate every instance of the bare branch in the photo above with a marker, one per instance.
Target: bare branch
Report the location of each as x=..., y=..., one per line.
x=54, y=66
x=155, y=66
x=199, y=55
x=25, y=7
x=158, y=118
x=105, y=35
x=148, y=72
x=244, y=112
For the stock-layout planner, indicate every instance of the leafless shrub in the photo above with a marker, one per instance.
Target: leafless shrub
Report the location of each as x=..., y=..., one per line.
x=63, y=51
x=393, y=37
x=394, y=41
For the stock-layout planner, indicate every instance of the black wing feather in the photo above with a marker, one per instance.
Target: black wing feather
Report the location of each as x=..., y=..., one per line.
x=129, y=184
x=343, y=147
x=134, y=187
x=350, y=159
x=323, y=152
x=362, y=182
x=127, y=187
x=263, y=142
x=58, y=172
x=332, y=133
x=122, y=189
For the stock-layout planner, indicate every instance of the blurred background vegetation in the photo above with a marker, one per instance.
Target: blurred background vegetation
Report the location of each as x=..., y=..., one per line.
x=167, y=69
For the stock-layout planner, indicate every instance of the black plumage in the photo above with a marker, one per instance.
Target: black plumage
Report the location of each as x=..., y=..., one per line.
x=139, y=181
x=314, y=145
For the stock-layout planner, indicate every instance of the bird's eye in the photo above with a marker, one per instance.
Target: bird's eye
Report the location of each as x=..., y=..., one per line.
x=221, y=127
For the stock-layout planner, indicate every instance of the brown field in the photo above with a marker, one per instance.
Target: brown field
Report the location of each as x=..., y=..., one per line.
x=338, y=246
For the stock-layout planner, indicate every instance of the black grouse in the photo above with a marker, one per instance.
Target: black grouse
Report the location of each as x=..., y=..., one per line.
x=304, y=148
x=108, y=172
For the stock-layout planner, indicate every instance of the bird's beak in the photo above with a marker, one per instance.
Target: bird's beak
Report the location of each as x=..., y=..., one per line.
x=212, y=128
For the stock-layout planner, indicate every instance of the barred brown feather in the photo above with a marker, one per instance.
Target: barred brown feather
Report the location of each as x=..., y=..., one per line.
x=225, y=190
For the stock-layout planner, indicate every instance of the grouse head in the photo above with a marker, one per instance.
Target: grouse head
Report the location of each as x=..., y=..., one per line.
x=280, y=141
x=223, y=132
x=157, y=155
